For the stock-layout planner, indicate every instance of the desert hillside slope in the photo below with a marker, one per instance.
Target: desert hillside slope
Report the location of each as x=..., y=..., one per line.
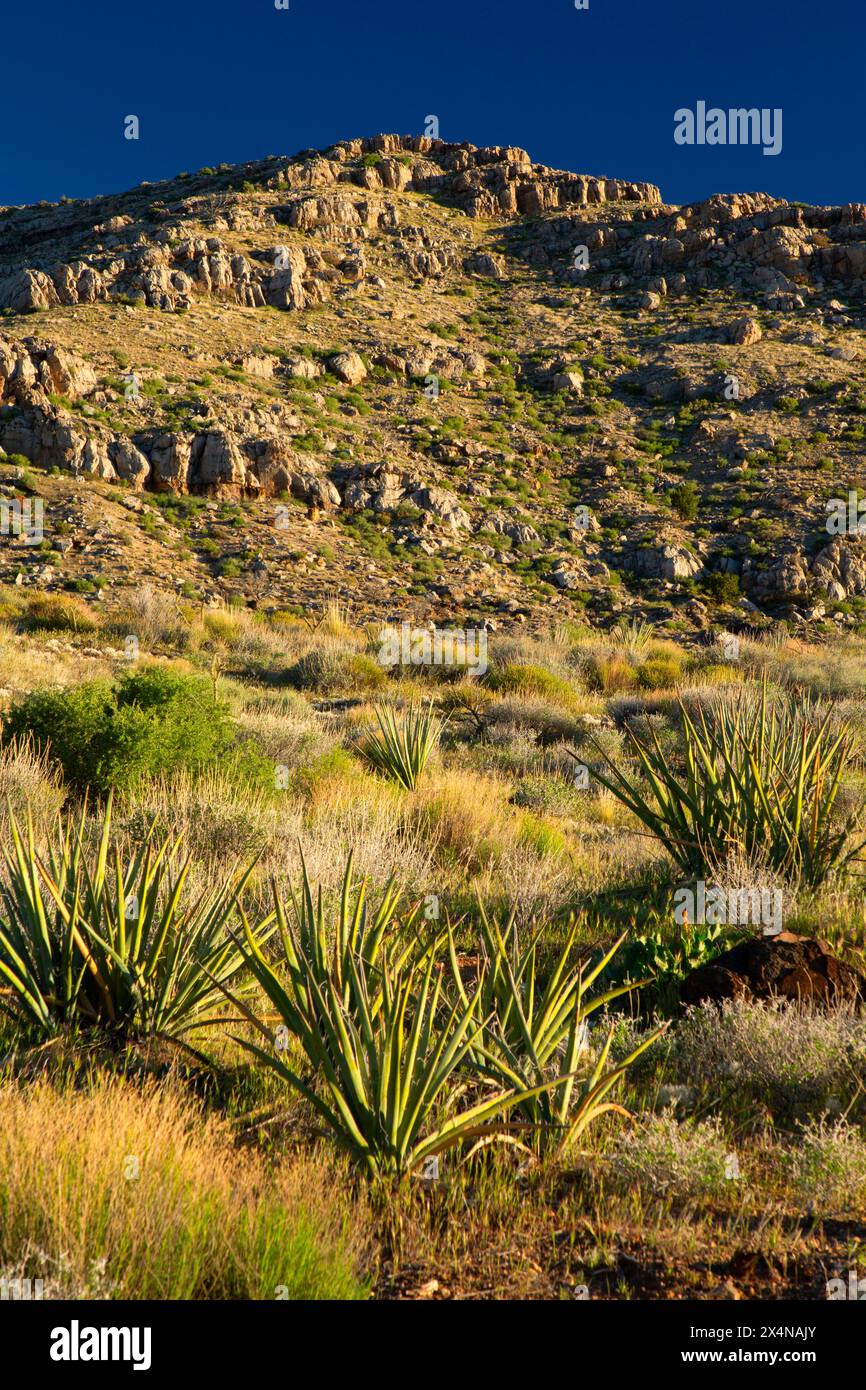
x=440, y=382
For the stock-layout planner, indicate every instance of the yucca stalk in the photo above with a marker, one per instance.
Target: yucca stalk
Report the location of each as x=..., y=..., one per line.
x=541, y=1028
x=90, y=940
x=758, y=785
x=402, y=746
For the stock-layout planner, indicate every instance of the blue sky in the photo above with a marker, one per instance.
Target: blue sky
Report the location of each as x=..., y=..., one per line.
x=594, y=91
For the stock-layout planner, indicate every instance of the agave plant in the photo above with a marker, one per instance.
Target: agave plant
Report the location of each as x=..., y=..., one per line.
x=93, y=941
x=401, y=746
x=387, y=1067
x=759, y=784
x=540, y=1029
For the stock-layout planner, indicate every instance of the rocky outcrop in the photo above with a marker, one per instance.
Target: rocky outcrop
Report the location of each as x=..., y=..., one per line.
x=668, y=561
x=31, y=368
x=139, y=245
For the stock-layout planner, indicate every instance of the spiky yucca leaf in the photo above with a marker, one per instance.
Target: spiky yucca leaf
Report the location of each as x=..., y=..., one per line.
x=90, y=939
x=759, y=784
x=634, y=635
x=324, y=943
x=401, y=747
x=385, y=1045
x=540, y=1029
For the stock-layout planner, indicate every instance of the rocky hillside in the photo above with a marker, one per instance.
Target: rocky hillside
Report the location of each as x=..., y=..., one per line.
x=440, y=382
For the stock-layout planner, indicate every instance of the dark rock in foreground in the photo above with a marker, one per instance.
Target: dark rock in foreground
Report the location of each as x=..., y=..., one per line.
x=796, y=968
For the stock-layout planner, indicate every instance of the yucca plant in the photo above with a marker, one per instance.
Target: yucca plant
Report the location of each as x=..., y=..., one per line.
x=759, y=784
x=387, y=1068
x=538, y=1029
x=91, y=940
x=402, y=745
x=632, y=634
x=323, y=944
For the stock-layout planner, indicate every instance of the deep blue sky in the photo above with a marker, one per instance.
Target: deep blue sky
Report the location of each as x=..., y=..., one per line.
x=594, y=91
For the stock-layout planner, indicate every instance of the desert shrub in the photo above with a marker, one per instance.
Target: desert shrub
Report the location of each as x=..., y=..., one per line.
x=106, y=734
x=724, y=588
x=57, y=613
x=659, y=673
x=684, y=498
x=679, y=1159
x=512, y=714
x=334, y=670
x=610, y=673
x=531, y=680
x=540, y=835
x=796, y=1062
x=28, y=781
x=828, y=1168
x=548, y=794
x=154, y=617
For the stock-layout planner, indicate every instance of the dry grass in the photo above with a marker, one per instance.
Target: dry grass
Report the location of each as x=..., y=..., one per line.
x=140, y=1187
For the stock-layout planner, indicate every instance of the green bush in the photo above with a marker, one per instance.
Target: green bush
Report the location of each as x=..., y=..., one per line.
x=106, y=734
x=529, y=680
x=684, y=499
x=659, y=673
x=724, y=588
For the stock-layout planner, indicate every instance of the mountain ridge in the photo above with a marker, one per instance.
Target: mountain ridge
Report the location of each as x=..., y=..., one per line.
x=455, y=369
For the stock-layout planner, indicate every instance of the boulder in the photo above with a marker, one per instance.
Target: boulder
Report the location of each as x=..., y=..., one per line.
x=347, y=367
x=800, y=969
x=571, y=380
x=744, y=332
x=483, y=263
